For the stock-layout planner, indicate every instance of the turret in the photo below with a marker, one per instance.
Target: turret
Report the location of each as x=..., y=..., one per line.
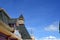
x=20, y=20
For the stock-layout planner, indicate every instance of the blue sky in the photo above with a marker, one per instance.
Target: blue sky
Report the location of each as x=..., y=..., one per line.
x=40, y=15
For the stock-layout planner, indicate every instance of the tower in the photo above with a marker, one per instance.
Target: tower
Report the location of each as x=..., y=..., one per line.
x=22, y=29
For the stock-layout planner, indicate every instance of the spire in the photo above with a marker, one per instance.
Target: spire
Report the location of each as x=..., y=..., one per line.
x=21, y=17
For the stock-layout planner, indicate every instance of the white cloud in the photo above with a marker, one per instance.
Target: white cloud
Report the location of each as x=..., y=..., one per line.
x=48, y=38
x=53, y=27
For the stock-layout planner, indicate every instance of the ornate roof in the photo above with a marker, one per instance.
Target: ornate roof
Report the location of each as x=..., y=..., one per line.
x=21, y=17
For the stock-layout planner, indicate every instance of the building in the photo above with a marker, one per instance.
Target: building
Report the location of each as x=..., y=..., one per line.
x=10, y=26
